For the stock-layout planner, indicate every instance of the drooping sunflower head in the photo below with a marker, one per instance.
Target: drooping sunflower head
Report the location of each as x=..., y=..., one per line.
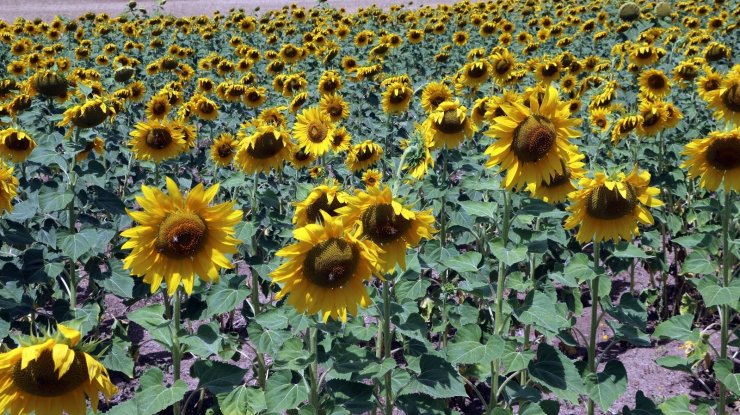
x=179, y=236
x=364, y=155
x=335, y=106
x=326, y=269
x=611, y=208
x=325, y=198
x=388, y=223
x=157, y=140
x=449, y=125
x=16, y=145
x=397, y=97
x=433, y=94
x=92, y=113
x=715, y=159
x=531, y=140
x=53, y=374
x=314, y=131
x=8, y=188
x=557, y=190
x=266, y=148
x=223, y=149
x=654, y=83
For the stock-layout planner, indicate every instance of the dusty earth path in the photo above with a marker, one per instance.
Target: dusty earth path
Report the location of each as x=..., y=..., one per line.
x=47, y=9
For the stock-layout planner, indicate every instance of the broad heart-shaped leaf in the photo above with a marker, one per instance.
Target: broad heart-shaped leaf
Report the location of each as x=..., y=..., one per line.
x=723, y=370
x=282, y=392
x=118, y=358
x=467, y=262
x=540, y=310
x=580, y=268
x=556, y=372
x=715, y=295
x=206, y=342
x=606, y=387
x=509, y=256
x=627, y=250
x=149, y=317
x=630, y=311
x=242, y=401
x=411, y=289
x=152, y=398
x=353, y=396
x=437, y=378
x=515, y=359
x=479, y=209
x=676, y=328
x=473, y=352
x=217, y=376
x=698, y=262
x=74, y=245
x=226, y=296
x=681, y=405
x=53, y=201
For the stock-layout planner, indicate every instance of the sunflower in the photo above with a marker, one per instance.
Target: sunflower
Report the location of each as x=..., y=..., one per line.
x=157, y=140
x=341, y=141
x=480, y=107
x=97, y=145
x=325, y=198
x=531, y=141
x=599, y=118
x=388, y=223
x=299, y=158
x=363, y=155
x=52, y=375
x=8, y=187
x=654, y=116
x=204, y=108
x=326, y=269
x=610, y=209
x=448, y=125
x=330, y=82
x=396, y=98
x=710, y=81
x=654, y=84
x=298, y=101
x=645, y=55
x=314, y=131
x=274, y=116
x=15, y=145
x=434, y=93
x=90, y=114
x=715, y=158
x=335, y=106
x=158, y=107
x=561, y=185
x=624, y=126
x=180, y=236
x=372, y=178
x=264, y=149
x=725, y=100
x=475, y=73
x=223, y=149
x=547, y=71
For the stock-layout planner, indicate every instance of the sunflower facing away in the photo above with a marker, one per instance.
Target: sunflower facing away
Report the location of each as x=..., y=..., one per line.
x=179, y=236
x=314, y=131
x=388, y=223
x=325, y=198
x=326, y=269
x=715, y=158
x=8, y=187
x=52, y=375
x=267, y=148
x=531, y=141
x=157, y=140
x=610, y=209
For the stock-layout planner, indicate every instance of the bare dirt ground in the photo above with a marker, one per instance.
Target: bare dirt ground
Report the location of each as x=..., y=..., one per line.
x=47, y=9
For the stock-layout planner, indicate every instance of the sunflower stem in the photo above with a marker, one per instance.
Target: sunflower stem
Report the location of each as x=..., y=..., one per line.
x=176, y=352
x=253, y=195
x=443, y=241
x=255, y=297
x=387, y=342
x=726, y=278
x=499, y=316
x=528, y=327
x=314, y=368
x=72, y=273
x=594, y=288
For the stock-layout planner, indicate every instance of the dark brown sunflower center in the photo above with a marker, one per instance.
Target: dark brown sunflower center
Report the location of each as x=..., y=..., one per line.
x=650, y=119
x=15, y=143
x=601, y=122
x=365, y=153
x=533, y=138
x=159, y=138
x=337, y=140
x=331, y=263
x=609, y=204
x=290, y=52
x=322, y=203
x=451, y=123
x=225, y=150
x=644, y=53
x=317, y=132
x=41, y=379
x=301, y=155
x=711, y=84
x=159, y=108
x=688, y=72
x=627, y=126
x=330, y=85
x=207, y=108
x=436, y=100
x=398, y=96
x=266, y=146
x=549, y=69
x=381, y=224
x=656, y=81
x=731, y=98
x=335, y=110
x=477, y=70
x=181, y=235
x=724, y=154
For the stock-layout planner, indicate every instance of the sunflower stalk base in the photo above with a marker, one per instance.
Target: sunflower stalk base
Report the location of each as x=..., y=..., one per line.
x=443, y=241
x=176, y=350
x=72, y=272
x=499, y=316
x=725, y=314
x=594, y=288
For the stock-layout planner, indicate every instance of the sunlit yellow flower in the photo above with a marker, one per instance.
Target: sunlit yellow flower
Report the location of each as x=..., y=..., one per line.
x=363, y=155
x=448, y=125
x=223, y=149
x=714, y=159
x=16, y=145
x=268, y=147
x=325, y=198
x=8, y=188
x=314, y=131
x=157, y=140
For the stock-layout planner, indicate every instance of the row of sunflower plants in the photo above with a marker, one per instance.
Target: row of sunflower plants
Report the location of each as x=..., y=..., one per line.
x=467, y=208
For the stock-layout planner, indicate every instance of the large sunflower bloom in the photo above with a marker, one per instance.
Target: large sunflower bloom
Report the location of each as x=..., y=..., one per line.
x=157, y=140
x=314, y=131
x=609, y=209
x=52, y=376
x=8, y=187
x=448, y=125
x=15, y=145
x=715, y=158
x=725, y=100
x=324, y=198
x=326, y=269
x=180, y=236
x=267, y=148
x=531, y=141
x=388, y=223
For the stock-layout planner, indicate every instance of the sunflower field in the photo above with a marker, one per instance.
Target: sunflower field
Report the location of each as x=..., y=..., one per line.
x=496, y=207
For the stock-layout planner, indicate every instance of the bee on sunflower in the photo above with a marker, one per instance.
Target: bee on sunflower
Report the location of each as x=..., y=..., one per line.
x=267, y=147
x=16, y=145
x=314, y=131
x=363, y=155
x=223, y=149
x=180, y=236
x=157, y=140
x=8, y=188
x=53, y=374
x=611, y=208
x=326, y=269
x=448, y=125
x=531, y=140
x=325, y=198
x=388, y=223
x=715, y=159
